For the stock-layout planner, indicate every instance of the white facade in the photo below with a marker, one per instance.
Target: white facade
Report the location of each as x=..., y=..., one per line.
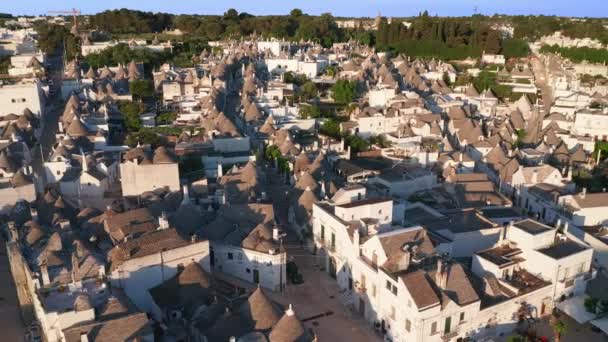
x=267, y=270
x=592, y=124
x=139, y=178
x=137, y=275
x=15, y=98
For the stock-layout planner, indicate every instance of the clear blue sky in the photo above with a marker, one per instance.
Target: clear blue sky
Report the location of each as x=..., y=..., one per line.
x=369, y=8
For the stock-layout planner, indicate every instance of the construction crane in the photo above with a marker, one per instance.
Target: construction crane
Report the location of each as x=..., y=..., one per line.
x=74, y=13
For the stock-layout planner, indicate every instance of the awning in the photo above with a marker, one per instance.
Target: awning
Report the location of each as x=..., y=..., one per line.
x=602, y=324
x=575, y=308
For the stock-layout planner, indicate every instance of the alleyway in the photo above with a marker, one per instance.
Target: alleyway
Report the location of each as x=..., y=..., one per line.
x=317, y=300
x=11, y=326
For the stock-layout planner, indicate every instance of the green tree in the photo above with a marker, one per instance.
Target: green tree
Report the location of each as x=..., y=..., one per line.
x=515, y=48
x=141, y=88
x=344, y=91
x=131, y=112
x=308, y=91
x=357, y=144
x=309, y=112
x=143, y=137
x=331, y=128
x=166, y=118
x=485, y=80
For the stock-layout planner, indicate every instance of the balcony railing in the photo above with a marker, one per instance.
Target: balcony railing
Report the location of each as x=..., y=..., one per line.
x=446, y=336
x=360, y=288
x=330, y=247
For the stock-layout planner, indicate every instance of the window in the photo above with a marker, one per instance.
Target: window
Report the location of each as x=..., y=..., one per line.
x=408, y=325
x=374, y=259
x=380, y=212
x=333, y=241
x=389, y=286
x=230, y=256
x=323, y=232
x=394, y=290
x=448, y=325
x=433, y=328
x=461, y=317
x=58, y=173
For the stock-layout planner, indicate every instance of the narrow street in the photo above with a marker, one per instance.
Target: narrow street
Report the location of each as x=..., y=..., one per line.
x=11, y=325
x=536, y=122
x=316, y=301
x=50, y=118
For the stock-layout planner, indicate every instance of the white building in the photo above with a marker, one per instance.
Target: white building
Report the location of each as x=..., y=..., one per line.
x=143, y=171
x=305, y=64
x=396, y=280
x=14, y=98
x=136, y=265
x=245, y=244
x=493, y=59
x=275, y=46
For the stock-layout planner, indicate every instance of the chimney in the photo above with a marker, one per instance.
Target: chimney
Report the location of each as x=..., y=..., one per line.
x=193, y=238
x=566, y=226
x=290, y=311
x=220, y=170
x=583, y=193
x=503, y=233
x=406, y=258
x=13, y=230
x=34, y=214
x=85, y=167
x=186, y=199
x=275, y=234
x=348, y=155
x=356, y=242
x=534, y=176
x=558, y=224
x=75, y=266
x=44, y=272
x=441, y=276
x=163, y=221
x=83, y=337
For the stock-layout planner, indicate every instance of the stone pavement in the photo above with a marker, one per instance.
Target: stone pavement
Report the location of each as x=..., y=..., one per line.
x=319, y=295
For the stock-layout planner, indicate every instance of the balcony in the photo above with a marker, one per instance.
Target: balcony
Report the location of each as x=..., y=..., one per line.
x=328, y=246
x=359, y=288
x=446, y=336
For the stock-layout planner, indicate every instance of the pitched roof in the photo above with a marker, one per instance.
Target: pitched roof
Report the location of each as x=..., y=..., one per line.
x=149, y=243
x=259, y=312
x=289, y=329
x=126, y=328
x=77, y=128
x=421, y=289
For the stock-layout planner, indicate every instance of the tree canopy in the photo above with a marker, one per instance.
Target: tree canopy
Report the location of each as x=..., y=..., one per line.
x=344, y=91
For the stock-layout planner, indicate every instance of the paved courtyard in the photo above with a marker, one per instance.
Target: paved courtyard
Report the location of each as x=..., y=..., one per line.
x=318, y=295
